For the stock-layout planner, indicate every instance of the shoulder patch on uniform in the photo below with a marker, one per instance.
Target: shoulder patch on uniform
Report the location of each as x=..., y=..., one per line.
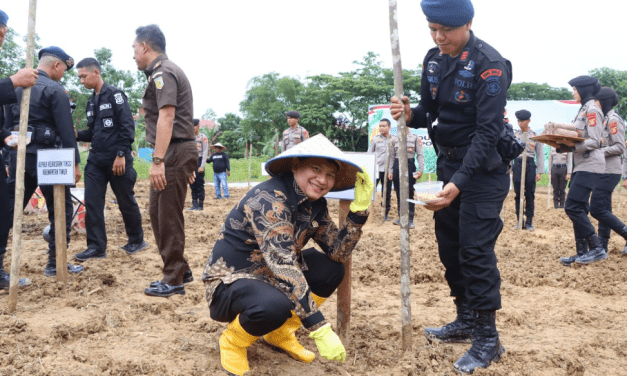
x=119, y=98
x=157, y=65
x=614, y=127
x=159, y=82
x=592, y=119
x=491, y=72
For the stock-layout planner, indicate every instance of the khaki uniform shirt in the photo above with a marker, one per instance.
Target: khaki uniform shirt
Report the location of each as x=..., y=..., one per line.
x=379, y=147
x=202, y=144
x=168, y=86
x=562, y=158
x=291, y=137
x=614, y=146
x=588, y=155
x=414, y=147
x=533, y=149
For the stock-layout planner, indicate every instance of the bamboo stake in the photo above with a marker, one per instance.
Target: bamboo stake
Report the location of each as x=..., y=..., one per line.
x=385, y=178
x=18, y=209
x=523, y=172
x=548, y=175
x=404, y=181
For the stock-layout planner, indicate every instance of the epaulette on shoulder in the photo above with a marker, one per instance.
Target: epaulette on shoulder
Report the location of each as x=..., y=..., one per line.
x=489, y=51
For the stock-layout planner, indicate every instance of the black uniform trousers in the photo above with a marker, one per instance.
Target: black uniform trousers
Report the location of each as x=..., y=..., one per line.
x=466, y=232
x=388, y=193
x=577, y=202
x=264, y=308
x=30, y=185
x=198, y=187
x=530, y=186
x=411, y=167
x=601, y=205
x=6, y=216
x=98, y=172
x=558, y=180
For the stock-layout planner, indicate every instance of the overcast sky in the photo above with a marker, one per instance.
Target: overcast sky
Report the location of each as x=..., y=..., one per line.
x=221, y=45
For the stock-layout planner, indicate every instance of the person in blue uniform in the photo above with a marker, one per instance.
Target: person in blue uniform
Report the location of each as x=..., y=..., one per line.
x=589, y=166
x=464, y=86
x=111, y=131
x=614, y=148
x=50, y=120
x=26, y=77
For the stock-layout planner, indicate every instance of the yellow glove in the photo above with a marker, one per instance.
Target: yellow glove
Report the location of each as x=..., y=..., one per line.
x=363, y=192
x=329, y=344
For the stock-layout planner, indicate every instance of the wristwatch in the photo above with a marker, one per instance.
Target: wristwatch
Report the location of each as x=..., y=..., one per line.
x=157, y=160
x=121, y=153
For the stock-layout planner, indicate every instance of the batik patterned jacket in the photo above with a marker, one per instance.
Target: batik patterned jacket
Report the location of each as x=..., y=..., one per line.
x=264, y=235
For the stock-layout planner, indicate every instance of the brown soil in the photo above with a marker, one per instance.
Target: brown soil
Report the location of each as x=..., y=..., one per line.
x=555, y=320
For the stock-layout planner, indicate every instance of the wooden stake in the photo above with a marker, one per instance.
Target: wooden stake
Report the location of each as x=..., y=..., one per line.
x=548, y=175
x=18, y=209
x=521, y=205
x=404, y=182
x=59, y=232
x=344, y=289
x=277, y=149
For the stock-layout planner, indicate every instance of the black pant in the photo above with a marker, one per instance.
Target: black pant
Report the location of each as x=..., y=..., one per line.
x=530, y=186
x=388, y=193
x=198, y=187
x=30, y=185
x=411, y=166
x=577, y=203
x=97, y=174
x=466, y=232
x=601, y=205
x=5, y=213
x=558, y=180
x=264, y=308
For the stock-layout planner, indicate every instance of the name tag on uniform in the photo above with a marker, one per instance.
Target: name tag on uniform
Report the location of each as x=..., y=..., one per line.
x=105, y=106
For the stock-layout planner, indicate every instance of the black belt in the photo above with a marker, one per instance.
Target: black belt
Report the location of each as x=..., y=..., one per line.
x=454, y=154
x=179, y=140
x=559, y=165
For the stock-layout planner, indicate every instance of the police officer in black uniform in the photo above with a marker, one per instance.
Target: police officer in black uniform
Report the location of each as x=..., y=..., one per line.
x=50, y=121
x=111, y=131
x=464, y=85
x=24, y=78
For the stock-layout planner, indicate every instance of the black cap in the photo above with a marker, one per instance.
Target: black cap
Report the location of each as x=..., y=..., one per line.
x=523, y=115
x=59, y=54
x=196, y=122
x=606, y=93
x=583, y=81
x=294, y=114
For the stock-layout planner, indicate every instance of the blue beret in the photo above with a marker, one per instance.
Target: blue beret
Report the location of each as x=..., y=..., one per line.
x=196, y=122
x=451, y=13
x=3, y=17
x=294, y=114
x=583, y=81
x=523, y=115
x=58, y=53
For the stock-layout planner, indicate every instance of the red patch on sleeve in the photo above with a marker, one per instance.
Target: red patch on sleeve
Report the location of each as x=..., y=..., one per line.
x=491, y=72
x=592, y=119
x=614, y=127
x=306, y=134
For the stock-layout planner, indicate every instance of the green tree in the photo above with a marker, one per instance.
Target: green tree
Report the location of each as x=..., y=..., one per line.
x=210, y=114
x=523, y=91
x=617, y=80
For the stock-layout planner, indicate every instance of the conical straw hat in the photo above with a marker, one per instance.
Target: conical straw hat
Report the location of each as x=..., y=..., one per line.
x=317, y=147
x=218, y=145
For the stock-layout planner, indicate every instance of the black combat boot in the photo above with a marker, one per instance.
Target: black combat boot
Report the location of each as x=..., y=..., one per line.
x=458, y=331
x=199, y=205
x=5, y=278
x=387, y=217
x=194, y=205
x=529, y=225
x=595, y=251
x=605, y=243
x=582, y=247
x=486, y=346
x=623, y=233
x=51, y=267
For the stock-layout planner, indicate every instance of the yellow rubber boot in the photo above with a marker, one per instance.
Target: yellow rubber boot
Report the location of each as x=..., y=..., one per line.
x=233, y=343
x=285, y=339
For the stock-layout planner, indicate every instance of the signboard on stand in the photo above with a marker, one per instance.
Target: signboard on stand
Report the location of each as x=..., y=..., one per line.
x=55, y=167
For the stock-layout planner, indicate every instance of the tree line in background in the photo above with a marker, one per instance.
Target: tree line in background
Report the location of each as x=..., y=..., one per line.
x=334, y=105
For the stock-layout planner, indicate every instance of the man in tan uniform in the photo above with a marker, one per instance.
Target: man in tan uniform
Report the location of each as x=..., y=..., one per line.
x=295, y=134
x=414, y=147
x=561, y=168
x=168, y=104
x=379, y=146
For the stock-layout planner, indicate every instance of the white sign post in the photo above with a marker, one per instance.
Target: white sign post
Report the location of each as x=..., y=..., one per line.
x=56, y=167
